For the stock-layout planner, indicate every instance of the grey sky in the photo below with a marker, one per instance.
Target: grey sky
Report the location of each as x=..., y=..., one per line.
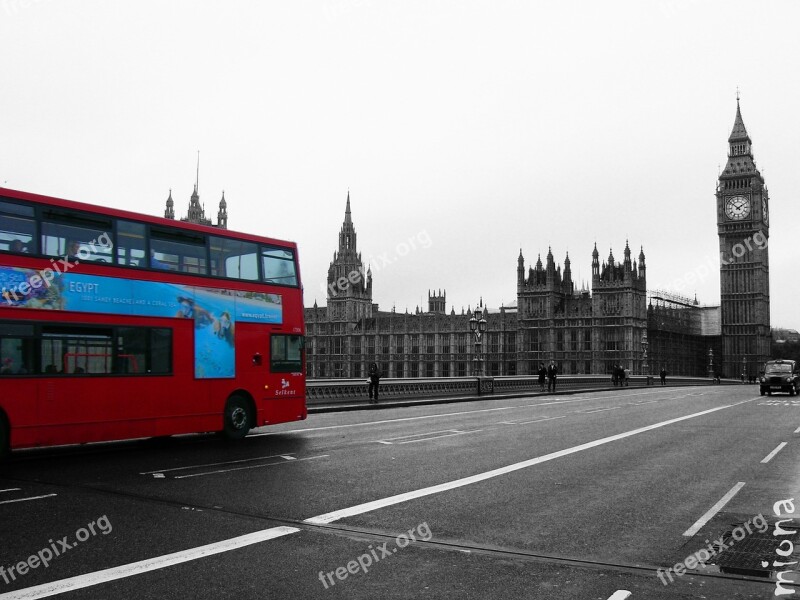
x=479, y=127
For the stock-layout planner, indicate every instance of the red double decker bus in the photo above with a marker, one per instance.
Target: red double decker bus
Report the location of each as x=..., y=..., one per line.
x=116, y=325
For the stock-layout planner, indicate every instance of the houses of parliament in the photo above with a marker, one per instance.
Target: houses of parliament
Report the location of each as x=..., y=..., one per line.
x=584, y=331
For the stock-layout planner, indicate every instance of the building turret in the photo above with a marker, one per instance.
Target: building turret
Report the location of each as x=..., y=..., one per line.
x=169, y=213
x=642, y=266
x=222, y=215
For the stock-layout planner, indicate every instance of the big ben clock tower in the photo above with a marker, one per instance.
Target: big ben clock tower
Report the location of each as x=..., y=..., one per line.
x=743, y=228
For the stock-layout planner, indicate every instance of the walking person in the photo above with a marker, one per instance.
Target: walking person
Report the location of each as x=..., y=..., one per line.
x=374, y=379
x=542, y=376
x=552, y=373
x=663, y=375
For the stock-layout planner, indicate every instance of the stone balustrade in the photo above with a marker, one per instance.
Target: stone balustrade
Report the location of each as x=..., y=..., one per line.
x=332, y=391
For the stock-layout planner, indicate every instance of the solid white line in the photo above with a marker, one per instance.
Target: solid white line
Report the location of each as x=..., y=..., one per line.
x=247, y=467
x=588, y=412
x=26, y=499
x=143, y=566
x=443, y=487
x=216, y=464
x=713, y=510
x=620, y=595
x=540, y=420
x=453, y=414
x=438, y=436
x=415, y=435
x=18, y=489
x=772, y=454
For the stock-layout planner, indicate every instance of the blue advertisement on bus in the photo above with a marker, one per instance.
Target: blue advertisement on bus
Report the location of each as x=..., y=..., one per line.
x=215, y=311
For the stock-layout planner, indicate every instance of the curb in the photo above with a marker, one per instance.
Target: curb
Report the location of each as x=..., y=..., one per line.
x=365, y=405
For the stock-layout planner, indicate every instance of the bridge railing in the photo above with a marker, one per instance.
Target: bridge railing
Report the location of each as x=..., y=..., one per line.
x=332, y=391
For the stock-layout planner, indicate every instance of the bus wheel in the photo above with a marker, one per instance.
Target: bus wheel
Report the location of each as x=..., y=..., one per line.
x=237, y=419
x=5, y=444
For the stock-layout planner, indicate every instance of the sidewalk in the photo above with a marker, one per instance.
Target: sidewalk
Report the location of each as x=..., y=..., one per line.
x=399, y=402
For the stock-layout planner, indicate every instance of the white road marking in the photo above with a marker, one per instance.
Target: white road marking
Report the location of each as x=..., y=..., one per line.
x=18, y=489
x=713, y=510
x=797, y=430
x=772, y=454
x=620, y=595
x=443, y=487
x=415, y=435
x=531, y=421
x=144, y=566
x=452, y=414
x=216, y=464
x=587, y=412
x=273, y=464
x=439, y=436
x=26, y=499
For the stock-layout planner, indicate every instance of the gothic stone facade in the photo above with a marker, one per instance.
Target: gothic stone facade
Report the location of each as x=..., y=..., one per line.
x=584, y=331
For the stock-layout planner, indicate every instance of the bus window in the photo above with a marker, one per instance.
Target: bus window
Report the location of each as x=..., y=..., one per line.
x=178, y=252
x=17, y=228
x=285, y=354
x=76, y=350
x=16, y=349
x=143, y=350
x=131, y=244
x=76, y=237
x=233, y=258
x=278, y=265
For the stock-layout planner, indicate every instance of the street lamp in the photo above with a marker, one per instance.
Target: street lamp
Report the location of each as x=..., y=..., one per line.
x=645, y=366
x=711, y=363
x=477, y=324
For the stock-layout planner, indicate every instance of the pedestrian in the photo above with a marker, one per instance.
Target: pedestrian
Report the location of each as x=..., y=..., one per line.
x=663, y=376
x=542, y=376
x=374, y=378
x=552, y=373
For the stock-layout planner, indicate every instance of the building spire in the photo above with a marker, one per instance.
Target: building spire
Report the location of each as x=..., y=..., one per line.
x=739, y=132
x=347, y=217
x=197, y=180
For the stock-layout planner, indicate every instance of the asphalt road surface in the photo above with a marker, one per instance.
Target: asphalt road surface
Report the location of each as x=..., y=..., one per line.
x=563, y=496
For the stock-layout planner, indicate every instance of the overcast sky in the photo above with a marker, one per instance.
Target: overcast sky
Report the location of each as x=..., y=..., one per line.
x=463, y=130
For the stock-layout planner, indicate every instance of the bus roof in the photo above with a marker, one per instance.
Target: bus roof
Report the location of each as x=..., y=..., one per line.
x=125, y=214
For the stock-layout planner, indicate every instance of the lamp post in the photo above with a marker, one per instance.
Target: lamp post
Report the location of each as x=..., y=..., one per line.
x=645, y=366
x=477, y=325
x=711, y=363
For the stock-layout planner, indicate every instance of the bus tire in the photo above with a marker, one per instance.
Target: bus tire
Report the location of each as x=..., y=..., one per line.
x=5, y=440
x=237, y=418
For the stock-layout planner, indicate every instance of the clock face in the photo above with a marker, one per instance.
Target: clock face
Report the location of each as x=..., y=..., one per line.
x=764, y=210
x=737, y=208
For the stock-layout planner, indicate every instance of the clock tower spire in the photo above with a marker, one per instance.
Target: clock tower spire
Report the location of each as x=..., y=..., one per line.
x=743, y=229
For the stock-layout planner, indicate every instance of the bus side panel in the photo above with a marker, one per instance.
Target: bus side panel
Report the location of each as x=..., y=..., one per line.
x=20, y=402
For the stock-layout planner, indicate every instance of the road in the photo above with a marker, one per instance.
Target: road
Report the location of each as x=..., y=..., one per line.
x=548, y=497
